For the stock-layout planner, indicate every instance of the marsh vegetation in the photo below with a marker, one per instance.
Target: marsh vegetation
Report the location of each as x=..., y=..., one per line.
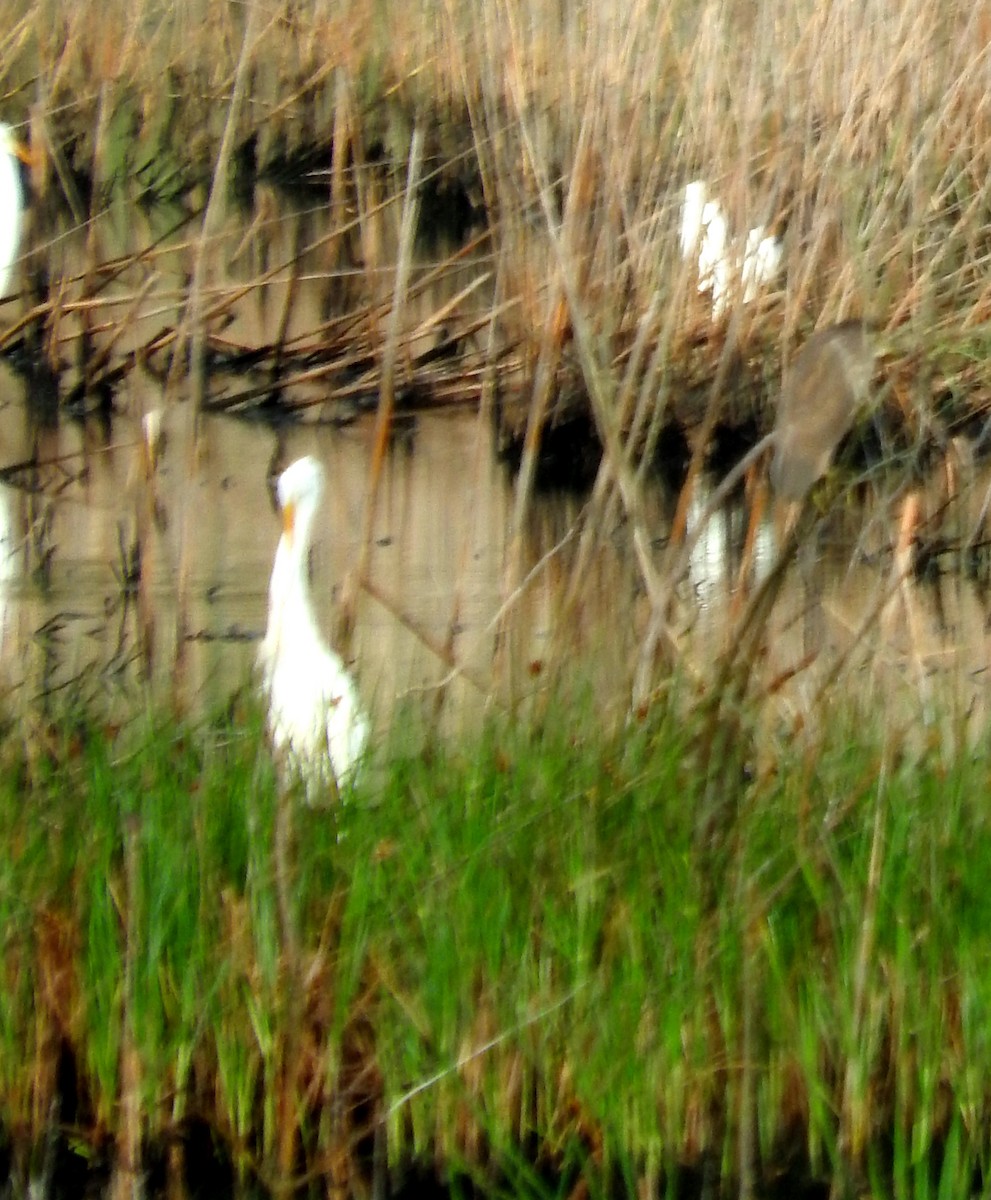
x=666, y=877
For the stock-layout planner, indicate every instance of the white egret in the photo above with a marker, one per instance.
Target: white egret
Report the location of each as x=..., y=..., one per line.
x=11, y=203
x=314, y=715
x=705, y=231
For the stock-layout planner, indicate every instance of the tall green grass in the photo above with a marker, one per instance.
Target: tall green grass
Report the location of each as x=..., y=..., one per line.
x=513, y=958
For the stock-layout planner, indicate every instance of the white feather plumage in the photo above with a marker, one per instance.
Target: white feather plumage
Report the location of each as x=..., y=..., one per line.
x=314, y=715
x=11, y=205
x=721, y=269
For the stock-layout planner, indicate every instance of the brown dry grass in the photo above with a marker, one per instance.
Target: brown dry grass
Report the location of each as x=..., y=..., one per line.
x=863, y=130
x=860, y=132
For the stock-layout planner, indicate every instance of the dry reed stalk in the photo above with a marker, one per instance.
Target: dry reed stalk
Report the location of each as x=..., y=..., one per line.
x=444, y=651
x=372, y=377
x=725, y=738
x=756, y=492
x=289, y=301
x=343, y=140
x=383, y=418
x=86, y=357
x=109, y=273
x=750, y=987
x=458, y=668
x=214, y=214
x=461, y=577
x=903, y=562
x=975, y=534
x=345, y=330
x=854, y=1108
x=554, y=327
x=440, y=315
x=872, y=617
x=41, y=136
x=193, y=334
x=635, y=402
x=191, y=441
x=127, y=1179
x=116, y=329
x=595, y=378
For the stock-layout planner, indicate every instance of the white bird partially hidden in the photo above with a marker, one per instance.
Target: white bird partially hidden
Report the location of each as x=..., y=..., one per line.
x=761, y=261
x=692, y=206
x=314, y=715
x=721, y=267
x=714, y=264
x=703, y=233
x=11, y=203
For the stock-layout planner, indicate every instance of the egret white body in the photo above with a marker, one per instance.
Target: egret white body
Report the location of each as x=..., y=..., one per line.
x=314, y=714
x=761, y=262
x=703, y=234
x=691, y=217
x=11, y=205
x=721, y=268
x=714, y=273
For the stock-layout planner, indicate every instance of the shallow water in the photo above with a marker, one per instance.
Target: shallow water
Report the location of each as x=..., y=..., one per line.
x=443, y=554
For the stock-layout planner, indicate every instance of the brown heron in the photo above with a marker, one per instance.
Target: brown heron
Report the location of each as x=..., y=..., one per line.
x=821, y=393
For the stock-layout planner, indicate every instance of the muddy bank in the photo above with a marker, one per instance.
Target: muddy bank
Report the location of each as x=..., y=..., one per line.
x=342, y=1147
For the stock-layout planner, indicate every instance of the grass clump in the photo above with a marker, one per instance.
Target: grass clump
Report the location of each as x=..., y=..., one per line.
x=506, y=959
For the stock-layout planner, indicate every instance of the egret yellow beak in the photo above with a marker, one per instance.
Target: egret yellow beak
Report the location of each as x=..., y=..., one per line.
x=13, y=145
x=289, y=519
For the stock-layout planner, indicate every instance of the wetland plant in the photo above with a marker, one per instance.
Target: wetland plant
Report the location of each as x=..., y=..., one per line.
x=516, y=963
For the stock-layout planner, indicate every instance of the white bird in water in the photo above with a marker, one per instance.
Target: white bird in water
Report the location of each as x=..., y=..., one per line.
x=704, y=231
x=11, y=203
x=314, y=714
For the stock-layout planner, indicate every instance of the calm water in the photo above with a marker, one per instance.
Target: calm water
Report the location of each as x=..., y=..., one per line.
x=442, y=544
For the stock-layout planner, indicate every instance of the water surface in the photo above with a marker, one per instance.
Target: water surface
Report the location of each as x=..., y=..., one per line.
x=443, y=557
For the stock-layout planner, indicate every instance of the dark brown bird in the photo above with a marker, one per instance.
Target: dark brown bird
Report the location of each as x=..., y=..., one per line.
x=823, y=389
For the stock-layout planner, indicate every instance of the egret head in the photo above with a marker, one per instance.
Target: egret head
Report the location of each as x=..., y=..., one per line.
x=827, y=383
x=300, y=488
x=11, y=144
